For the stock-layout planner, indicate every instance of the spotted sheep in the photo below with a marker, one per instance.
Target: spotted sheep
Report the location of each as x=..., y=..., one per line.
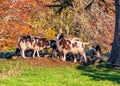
x=32, y=42
x=94, y=54
x=66, y=45
x=95, y=50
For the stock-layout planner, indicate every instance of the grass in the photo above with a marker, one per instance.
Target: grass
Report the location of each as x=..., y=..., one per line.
x=18, y=73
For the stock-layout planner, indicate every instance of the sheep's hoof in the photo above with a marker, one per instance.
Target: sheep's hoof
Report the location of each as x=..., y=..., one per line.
x=75, y=60
x=23, y=57
x=14, y=57
x=33, y=57
x=62, y=59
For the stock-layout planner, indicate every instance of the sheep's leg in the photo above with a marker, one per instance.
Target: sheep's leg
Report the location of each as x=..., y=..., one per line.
x=81, y=59
x=34, y=54
x=38, y=53
x=85, y=58
x=64, y=57
x=23, y=47
x=23, y=53
x=75, y=58
x=53, y=53
x=83, y=55
x=60, y=55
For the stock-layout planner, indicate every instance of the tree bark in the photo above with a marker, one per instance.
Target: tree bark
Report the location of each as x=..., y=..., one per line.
x=114, y=58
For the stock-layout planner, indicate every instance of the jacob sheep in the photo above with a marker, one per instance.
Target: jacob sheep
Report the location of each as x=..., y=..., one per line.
x=65, y=46
x=32, y=42
x=94, y=54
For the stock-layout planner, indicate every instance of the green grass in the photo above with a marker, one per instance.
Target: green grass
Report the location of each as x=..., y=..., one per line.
x=18, y=73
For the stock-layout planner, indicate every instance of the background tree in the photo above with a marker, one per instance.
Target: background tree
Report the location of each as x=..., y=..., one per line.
x=91, y=20
x=22, y=17
x=114, y=58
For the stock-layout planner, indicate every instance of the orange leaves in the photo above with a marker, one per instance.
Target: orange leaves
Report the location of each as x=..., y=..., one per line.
x=34, y=4
x=11, y=35
x=8, y=42
x=50, y=34
x=108, y=6
x=25, y=30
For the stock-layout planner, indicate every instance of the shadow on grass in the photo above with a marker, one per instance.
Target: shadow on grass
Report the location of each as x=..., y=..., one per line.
x=101, y=73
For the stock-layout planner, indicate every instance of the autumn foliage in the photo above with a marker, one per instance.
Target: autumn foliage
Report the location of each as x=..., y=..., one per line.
x=15, y=20
x=33, y=17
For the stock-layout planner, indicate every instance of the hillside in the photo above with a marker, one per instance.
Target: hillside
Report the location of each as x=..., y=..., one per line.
x=33, y=17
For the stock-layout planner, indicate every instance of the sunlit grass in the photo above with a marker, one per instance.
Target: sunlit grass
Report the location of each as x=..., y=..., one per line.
x=18, y=73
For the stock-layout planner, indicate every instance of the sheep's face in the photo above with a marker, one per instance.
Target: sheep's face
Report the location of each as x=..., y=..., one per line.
x=59, y=36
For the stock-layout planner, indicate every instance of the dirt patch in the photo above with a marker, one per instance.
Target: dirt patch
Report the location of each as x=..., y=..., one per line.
x=48, y=62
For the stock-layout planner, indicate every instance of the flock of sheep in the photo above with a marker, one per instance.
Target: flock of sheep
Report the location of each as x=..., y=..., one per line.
x=61, y=46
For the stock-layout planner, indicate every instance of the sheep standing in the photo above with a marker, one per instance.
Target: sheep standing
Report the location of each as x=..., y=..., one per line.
x=65, y=46
x=32, y=42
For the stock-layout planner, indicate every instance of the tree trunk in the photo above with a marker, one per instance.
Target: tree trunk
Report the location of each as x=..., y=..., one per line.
x=114, y=58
